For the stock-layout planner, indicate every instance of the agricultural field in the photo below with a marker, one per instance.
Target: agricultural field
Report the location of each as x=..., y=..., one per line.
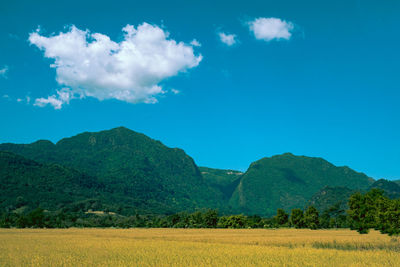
x=196, y=247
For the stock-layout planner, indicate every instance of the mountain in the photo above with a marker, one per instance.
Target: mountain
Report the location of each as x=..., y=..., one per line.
x=331, y=196
x=24, y=182
x=288, y=181
x=224, y=181
x=127, y=172
x=390, y=188
x=142, y=171
x=397, y=182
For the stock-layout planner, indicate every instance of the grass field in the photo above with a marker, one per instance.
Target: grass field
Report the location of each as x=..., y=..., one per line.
x=196, y=247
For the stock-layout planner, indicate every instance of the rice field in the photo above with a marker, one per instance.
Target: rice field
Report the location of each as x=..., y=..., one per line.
x=196, y=247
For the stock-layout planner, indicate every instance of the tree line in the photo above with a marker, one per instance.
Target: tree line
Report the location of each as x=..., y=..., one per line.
x=371, y=210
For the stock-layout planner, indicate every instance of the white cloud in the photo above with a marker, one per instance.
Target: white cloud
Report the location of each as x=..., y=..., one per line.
x=228, y=39
x=50, y=100
x=195, y=43
x=3, y=71
x=92, y=65
x=63, y=97
x=268, y=29
x=175, y=91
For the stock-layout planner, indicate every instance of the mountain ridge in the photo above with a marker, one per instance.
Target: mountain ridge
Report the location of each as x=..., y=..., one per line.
x=150, y=176
x=288, y=181
x=131, y=164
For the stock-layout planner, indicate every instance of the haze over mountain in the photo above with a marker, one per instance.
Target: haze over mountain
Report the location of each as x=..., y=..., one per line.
x=128, y=172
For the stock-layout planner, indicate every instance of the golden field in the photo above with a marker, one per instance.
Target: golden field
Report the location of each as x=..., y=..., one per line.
x=196, y=247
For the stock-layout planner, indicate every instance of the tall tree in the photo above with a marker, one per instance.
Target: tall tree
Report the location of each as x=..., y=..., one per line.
x=281, y=218
x=311, y=218
x=297, y=218
x=363, y=210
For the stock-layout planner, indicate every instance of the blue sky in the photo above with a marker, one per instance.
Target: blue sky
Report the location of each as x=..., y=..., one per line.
x=331, y=89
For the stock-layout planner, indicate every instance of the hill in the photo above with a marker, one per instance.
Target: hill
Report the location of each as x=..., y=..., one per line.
x=25, y=183
x=331, y=196
x=391, y=189
x=224, y=181
x=288, y=181
x=142, y=171
x=128, y=172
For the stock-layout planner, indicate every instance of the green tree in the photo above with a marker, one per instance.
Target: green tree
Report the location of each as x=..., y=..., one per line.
x=311, y=218
x=297, y=218
x=196, y=220
x=281, y=218
x=254, y=221
x=334, y=217
x=36, y=218
x=363, y=210
x=210, y=218
x=389, y=216
x=234, y=221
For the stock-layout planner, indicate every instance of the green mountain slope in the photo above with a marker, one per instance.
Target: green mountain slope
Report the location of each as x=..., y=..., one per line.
x=224, y=181
x=24, y=182
x=288, y=181
x=154, y=177
x=131, y=172
x=391, y=189
x=330, y=196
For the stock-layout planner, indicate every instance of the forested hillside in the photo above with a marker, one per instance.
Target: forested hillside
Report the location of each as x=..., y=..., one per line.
x=224, y=181
x=25, y=183
x=331, y=196
x=148, y=174
x=127, y=172
x=288, y=181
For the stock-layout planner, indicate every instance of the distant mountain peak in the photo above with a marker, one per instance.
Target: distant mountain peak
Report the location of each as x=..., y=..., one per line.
x=287, y=154
x=43, y=142
x=120, y=129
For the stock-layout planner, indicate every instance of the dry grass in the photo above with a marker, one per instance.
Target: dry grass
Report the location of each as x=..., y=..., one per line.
x=195, y=247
